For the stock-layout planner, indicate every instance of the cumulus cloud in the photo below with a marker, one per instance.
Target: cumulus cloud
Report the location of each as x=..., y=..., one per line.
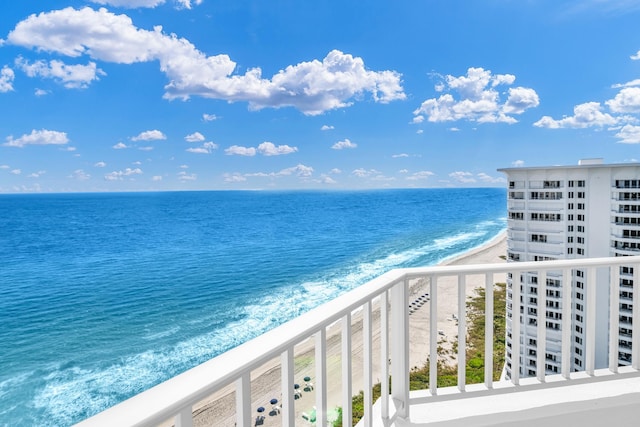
x=299, y=170
x=149, y=135
x=209, y=117
x=364, y=173
x=120, y=175
x=483, y=177
x=517, y=163
x=6, y=79
x=131, y=4
x=585, y=115
x=629, y=134
x=16, y=171
x=194, y=137
x=266, y=149
x=477, y=100
x=70, y=76
x=120, y=146
x=234, y=177
x=327, y=127
x=463, y=177
x=270, y=149
x=237, y=150
x=626, y=101
x=41, y=92
x=313, y=87
x=184, y=176
x=419, y=176
x=79, y=175
x=38, y=137
x=206, y=148
x=100, y=165
x=341, y=145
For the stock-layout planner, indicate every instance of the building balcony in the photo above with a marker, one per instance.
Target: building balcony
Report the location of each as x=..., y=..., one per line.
x=377, y=317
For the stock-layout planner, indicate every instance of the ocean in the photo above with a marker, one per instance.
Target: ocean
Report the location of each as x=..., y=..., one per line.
x=105, y=295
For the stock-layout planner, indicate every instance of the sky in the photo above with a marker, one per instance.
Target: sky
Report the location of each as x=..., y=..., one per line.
x=169, y=95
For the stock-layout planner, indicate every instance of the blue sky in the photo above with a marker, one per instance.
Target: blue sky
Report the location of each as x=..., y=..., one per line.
x=145, y=95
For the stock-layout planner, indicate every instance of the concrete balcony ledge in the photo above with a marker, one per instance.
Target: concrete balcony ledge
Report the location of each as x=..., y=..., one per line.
x=602, y=399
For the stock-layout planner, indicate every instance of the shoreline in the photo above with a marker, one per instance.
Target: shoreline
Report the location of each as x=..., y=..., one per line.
x=219, y=409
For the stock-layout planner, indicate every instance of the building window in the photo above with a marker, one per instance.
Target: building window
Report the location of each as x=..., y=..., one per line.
x=580, y=194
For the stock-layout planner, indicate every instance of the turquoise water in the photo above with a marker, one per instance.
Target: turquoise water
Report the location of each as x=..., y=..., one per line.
x=105, y=295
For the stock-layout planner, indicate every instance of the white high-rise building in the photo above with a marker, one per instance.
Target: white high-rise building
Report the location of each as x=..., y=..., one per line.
x=558, y=212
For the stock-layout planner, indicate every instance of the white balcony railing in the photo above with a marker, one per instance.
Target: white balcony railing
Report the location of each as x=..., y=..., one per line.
x=175, y=400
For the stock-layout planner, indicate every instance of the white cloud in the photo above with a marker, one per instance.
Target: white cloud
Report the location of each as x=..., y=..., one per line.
x=70, y=76
x=38, y=137
x=417, y=119
x=41, y=92
x=120, y=175
x=517, y=163
x=397, y=156
x=341, y=145
x=16, y=171
x=269, y=149
x=194, y=137
x=629, y=134
x=146, y=148
x=236, y=150
x=6, y=79
x=327, y=127
x=520, y=99
x=478, y=99
x=79, y=175
x=131, y=4
x=299, y=170
x=312, y=87
x=5, y=167
x=206, y=148
x=326, y=179
x=463, y=177
x=632, y=83
x=156, y=178
x=419, y=176
x=186, y=4
x=183, y=176
x=120, y=146
x=626, y=101
x=335, y=171
x=363, y=173
x=584, y=115
x=454, y=129
x=149, y=135
x=209, y=117
x=490, y=179
x=636, y=56
x=184, y=167
x=36, y=174
x=235, y=177
x=100, y=165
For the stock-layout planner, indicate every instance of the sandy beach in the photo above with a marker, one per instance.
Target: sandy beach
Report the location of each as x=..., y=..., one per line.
x=219, y=410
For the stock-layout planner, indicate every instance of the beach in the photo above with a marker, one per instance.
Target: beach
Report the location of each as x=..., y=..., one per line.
x=219, y=410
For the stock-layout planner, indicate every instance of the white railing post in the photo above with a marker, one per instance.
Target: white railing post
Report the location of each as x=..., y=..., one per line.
x=635, y=318
x=243, y=400
x=590, y=324
x=488, y=331
x=400, y=349
x=614, y=317
x=433, y=335
x=366, y=364
x=321, y=377
x=566, y=323
x=184, y=418
x=515, y=326
x=541, y=336
x=288, y=410
x=384, y=354
x=462, y=332
x=347, y=379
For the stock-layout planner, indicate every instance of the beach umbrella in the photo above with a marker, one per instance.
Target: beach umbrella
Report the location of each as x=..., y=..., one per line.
x=273, y=401
x=260, y=409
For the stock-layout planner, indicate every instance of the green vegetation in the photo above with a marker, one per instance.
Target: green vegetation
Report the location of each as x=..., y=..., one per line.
x=448, y=375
